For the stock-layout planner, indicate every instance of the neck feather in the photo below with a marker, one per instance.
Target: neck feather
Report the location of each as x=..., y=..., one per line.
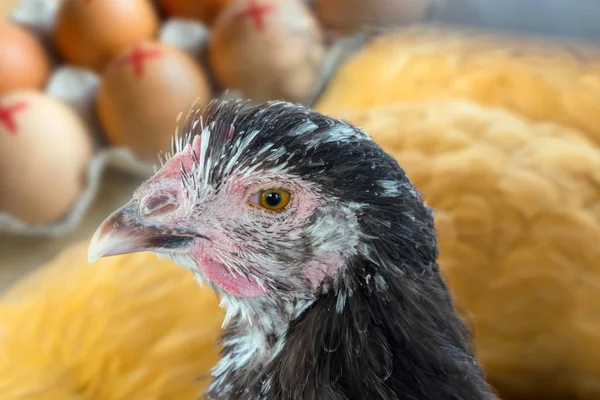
x=374, y=335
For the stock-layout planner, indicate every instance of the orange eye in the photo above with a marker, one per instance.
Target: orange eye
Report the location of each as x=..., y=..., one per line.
x=274, y=199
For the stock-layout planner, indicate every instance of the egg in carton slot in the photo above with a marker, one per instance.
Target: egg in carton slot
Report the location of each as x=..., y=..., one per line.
x=93, y=110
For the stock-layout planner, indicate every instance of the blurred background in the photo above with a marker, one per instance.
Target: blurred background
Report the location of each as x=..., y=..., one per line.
x=492, y=107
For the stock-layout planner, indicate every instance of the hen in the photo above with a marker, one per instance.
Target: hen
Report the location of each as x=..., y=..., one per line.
x=321, y=250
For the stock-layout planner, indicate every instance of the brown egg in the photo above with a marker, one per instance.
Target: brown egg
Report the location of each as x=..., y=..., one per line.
x=203, y=10
x=44, y=154
x=268, y=49
x=89, y=33
x=344, y=16
x=24, y=63
x=143, y=91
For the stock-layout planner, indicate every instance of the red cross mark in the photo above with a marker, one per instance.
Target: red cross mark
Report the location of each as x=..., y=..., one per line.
x=137, y=56
x=7, y=116
x=256, y=12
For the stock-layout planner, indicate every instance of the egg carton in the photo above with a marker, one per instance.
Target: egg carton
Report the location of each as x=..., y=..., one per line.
x=77, y=87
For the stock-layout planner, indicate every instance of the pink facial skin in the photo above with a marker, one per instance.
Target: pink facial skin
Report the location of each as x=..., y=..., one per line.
x=172, y=167
x=242, y=236
x=239, y=204
x=317, y=272
x=231, y=282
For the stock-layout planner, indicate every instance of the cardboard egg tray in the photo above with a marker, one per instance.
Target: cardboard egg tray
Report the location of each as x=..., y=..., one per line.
x=77, y=87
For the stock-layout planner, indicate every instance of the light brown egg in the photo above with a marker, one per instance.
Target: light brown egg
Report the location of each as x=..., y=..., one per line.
x=89, y=33
x=24, y=63
x=268, y=49
x=143, y=91
x=345, y=16
x=203, y=10
x=45, y=150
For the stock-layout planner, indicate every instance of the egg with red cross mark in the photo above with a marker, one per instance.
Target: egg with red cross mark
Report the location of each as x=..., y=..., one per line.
x=45, y=150
x=267, y=49
x=89, y=33
x=143, y=91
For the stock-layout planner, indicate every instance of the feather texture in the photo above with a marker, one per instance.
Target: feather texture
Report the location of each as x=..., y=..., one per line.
x=384, y=326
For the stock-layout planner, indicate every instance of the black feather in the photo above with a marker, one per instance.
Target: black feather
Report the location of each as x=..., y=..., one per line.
x=398, y=336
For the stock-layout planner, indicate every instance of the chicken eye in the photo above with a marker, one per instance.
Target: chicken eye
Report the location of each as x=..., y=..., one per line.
x=274, y=199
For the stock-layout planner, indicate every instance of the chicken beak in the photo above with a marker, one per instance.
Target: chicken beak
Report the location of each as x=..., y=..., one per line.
x=120, y=233
x=125, y=232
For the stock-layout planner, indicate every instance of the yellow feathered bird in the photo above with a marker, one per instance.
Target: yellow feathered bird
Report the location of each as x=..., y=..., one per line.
x=518, y=213
x=129, y=327
x=543, y=81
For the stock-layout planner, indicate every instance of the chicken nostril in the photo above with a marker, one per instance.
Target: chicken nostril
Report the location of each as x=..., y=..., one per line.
x=159, y=204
